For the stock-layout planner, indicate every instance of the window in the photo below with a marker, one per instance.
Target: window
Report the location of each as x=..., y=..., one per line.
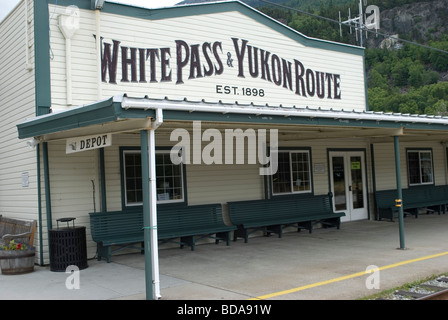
x=420, y=168
x=133, y=177
x=169, y=178
x=293, y=174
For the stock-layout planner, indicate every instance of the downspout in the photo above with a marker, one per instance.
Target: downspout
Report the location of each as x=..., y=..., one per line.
x=28, y=64
x=150, y=208
x=153, y=196
x=98, y=53
x=69, y=25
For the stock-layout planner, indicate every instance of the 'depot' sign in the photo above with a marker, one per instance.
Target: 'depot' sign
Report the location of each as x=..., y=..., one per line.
x=79, y=144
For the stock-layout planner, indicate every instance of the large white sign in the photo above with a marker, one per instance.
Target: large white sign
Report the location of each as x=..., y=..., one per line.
x=189, y=61
x=223, y=56
x=86, y=143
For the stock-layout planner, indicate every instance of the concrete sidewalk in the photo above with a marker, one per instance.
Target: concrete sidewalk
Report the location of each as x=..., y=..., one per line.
x=325, y=265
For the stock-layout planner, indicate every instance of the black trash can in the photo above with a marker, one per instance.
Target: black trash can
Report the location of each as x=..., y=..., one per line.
x=67, y=246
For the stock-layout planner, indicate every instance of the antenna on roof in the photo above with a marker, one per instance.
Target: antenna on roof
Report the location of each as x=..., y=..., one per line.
x=362, y=21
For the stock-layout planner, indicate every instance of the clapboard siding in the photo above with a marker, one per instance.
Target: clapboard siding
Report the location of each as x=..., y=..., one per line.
x=223, y=183
x=83, y=57
x=144, y=33
x=319, y=154
x=72, y=191
x=226, y=182
x=385, y=163
x=17, y=103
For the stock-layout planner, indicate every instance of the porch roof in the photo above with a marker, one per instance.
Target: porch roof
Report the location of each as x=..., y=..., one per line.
x=121, y=114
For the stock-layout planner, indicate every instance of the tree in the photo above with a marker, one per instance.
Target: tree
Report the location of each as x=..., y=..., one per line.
x=400, y=73
x=376, y=80
x=437, y=58
x=430, y=77
x=410, y=106
x=416, y=72
x=438, y=109
x=378, y=99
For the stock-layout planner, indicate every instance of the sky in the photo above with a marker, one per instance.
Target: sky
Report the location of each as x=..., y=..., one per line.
x=7, y=5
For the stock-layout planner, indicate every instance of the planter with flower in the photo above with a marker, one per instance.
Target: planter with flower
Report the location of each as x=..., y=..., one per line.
x=16, y=258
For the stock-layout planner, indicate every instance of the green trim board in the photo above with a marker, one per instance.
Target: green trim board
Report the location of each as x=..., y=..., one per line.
x=42, y=57
x=372, y=166
x=211, y=8
x=111, y=111
x=46, y=165
x=103, y=180
x=97, y=113
x=298, y=120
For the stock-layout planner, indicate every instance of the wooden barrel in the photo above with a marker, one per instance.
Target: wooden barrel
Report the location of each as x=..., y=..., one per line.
x=17, y=261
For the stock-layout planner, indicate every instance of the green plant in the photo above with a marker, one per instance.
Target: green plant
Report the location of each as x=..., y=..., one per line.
x=14, y=246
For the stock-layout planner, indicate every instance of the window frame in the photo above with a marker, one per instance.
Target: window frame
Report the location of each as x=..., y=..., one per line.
x=419, y=151
x=123, y=174
x=290, y=151
x=137, y=150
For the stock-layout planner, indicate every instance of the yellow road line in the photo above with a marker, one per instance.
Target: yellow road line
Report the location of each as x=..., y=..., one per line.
x=350, y=276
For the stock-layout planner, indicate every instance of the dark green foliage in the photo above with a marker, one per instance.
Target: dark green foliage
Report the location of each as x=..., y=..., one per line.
x=406, y=79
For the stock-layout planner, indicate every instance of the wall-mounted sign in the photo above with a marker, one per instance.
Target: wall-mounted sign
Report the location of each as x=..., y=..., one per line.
x=193, y=61
x=25, y=179
x=79, y=144
x=230, y=56
x=319, y=168
x=356, y=165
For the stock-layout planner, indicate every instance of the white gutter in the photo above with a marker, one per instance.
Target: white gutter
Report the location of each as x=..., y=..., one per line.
x=28, y=63
x=158, y=120
x=98, y=54
x=153, y=204
x=151, y=104
x=69, y=25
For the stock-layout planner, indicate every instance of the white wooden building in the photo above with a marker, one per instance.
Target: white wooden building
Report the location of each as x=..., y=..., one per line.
x=201, y=69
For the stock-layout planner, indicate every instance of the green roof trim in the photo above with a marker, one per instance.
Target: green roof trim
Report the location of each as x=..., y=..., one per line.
x=212, y=8
x=112, y=110
x=97, y=113
x=296, y=120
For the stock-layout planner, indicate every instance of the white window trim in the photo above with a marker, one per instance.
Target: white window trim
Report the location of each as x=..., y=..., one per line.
x=290, y=152
x=181, y=182
x=419, y=151
x=134, y=204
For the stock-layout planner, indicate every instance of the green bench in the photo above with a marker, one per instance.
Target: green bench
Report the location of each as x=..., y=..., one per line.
x=115, y=231
x=385, y=203
x=432, y=198
x=192, y=223
x=272, y=215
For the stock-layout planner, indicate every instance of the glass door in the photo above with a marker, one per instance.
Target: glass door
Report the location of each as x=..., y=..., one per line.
x=348, y=184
